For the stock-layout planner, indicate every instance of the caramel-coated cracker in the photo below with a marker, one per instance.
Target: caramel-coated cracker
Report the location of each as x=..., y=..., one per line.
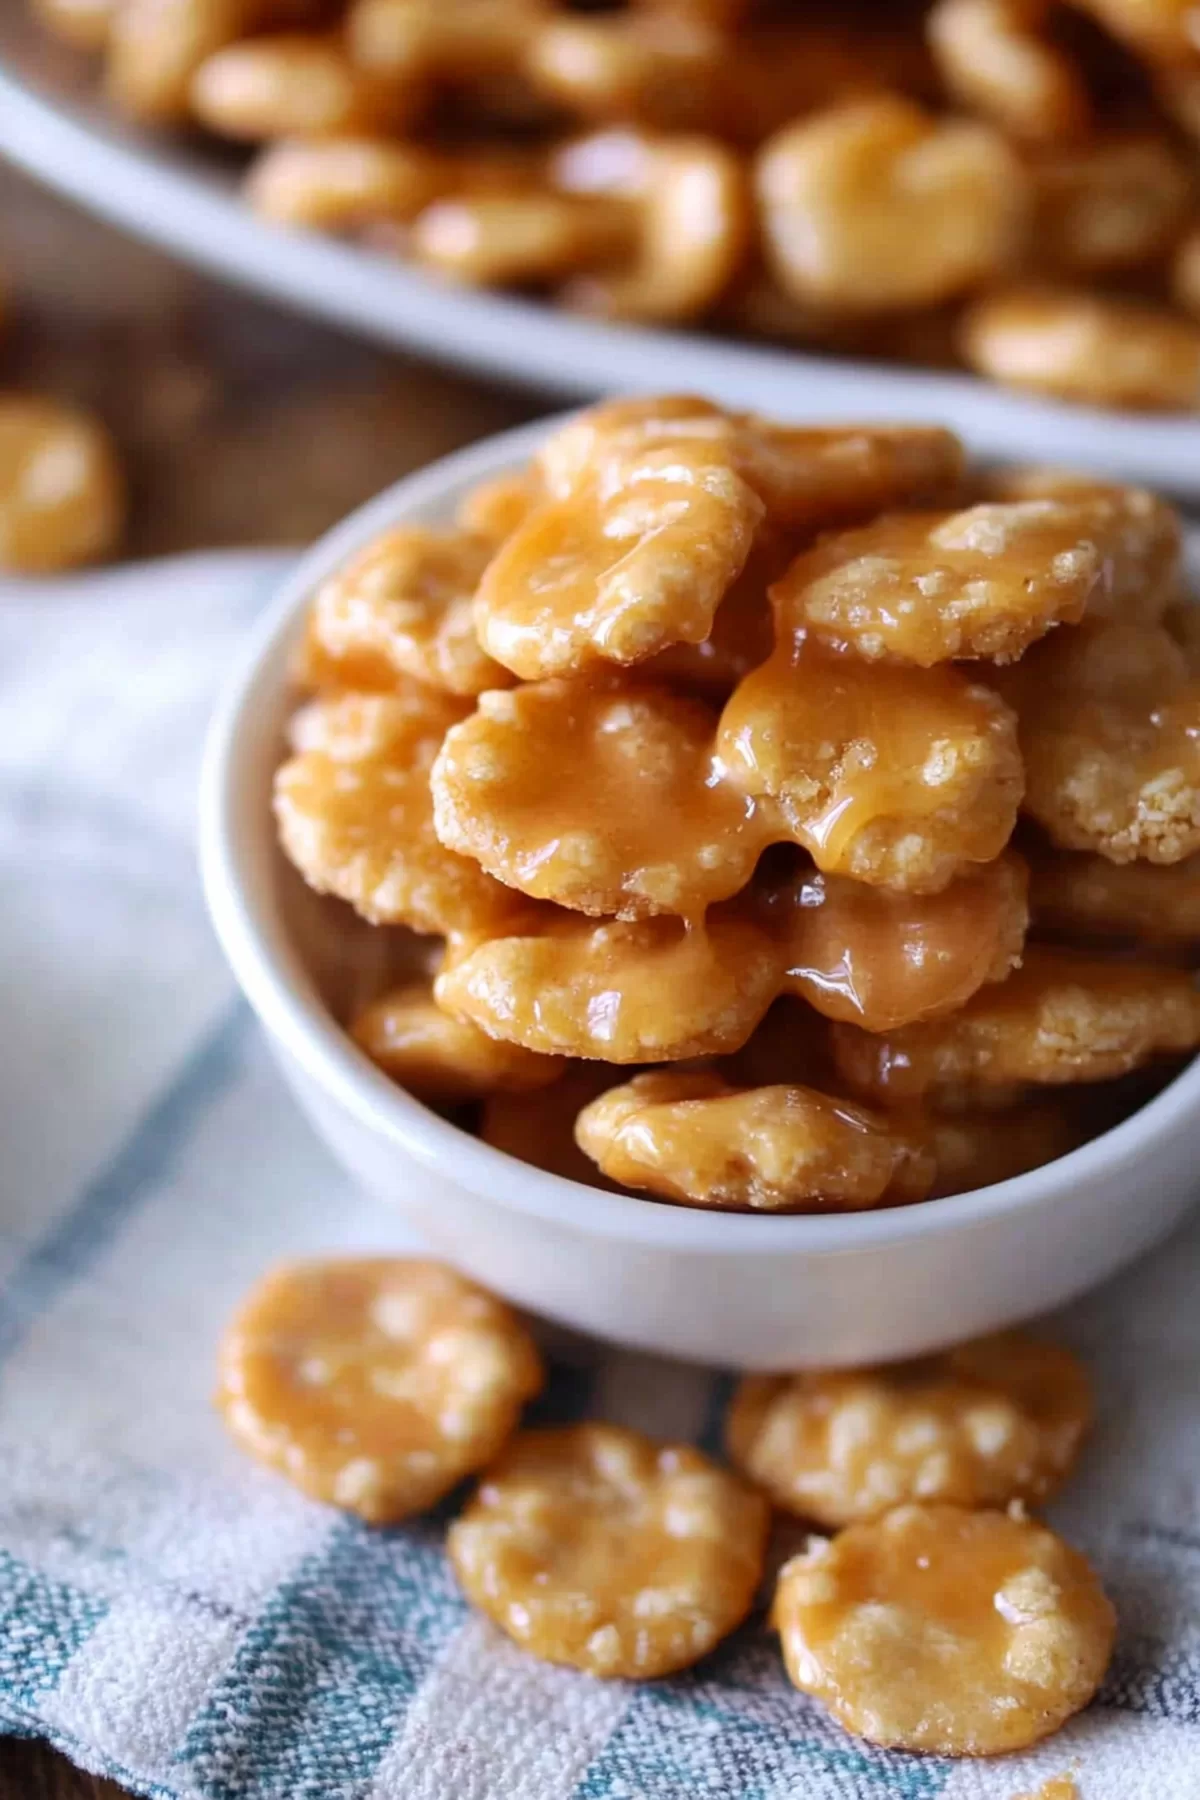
x=377, y=1384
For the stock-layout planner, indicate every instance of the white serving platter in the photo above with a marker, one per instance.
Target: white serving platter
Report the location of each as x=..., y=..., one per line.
x=183, y=199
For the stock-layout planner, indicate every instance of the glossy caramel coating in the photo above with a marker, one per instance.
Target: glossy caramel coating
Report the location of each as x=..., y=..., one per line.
x=650, y=990
x=1089, y=897
x=694, y=1139
x=375, y=1384
x=441, y=1059
x=894, y=776
x=1110, y=732
x=809, y=893
x=62, y=489
x=1061, y=1017
x=660, y=990
x=584, y=450
x=1141, y=535
x=404, y=604
x=599, y=795
x=743, y=630
x=598, y=574
x=991, y=1421
x=593, y=1546
x=876, y=205
x=604, y=796
x=808, y=476
x=637, y=561
x=877, y=959
x=817, y=476
x=355, y=816
x=943, y=1630
x=928, y=587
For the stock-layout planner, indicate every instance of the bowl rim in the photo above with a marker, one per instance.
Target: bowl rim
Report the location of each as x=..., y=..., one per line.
x=273, y=978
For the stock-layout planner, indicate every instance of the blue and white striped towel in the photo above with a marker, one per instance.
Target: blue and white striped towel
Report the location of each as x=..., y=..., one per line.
x=177, y=1618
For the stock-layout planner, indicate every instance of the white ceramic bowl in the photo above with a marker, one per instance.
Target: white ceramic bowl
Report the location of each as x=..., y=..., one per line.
x=754, y=1292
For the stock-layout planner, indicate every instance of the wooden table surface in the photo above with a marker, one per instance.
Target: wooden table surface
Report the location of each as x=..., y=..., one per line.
x=241, y=425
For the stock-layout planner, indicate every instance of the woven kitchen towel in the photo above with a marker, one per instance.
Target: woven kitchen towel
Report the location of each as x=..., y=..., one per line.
x=175, y=1617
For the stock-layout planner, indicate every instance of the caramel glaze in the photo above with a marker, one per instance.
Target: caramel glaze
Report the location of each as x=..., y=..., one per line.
x=623, y=799
x=895, y=776
x=661, y=989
